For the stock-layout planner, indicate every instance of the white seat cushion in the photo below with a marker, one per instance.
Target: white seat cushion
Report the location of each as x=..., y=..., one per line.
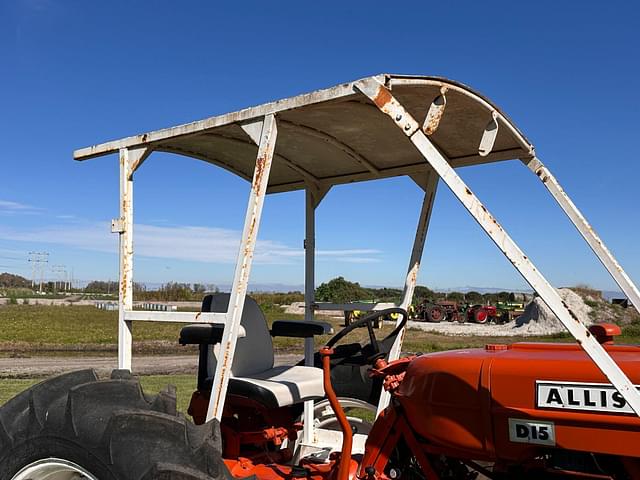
x=289, y=385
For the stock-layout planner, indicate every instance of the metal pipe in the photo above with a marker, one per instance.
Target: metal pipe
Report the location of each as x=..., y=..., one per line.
x=309, y=300
x=384, y=100
x=345, y=426
x=125, y=293
x=412, y=272
x=243, y=266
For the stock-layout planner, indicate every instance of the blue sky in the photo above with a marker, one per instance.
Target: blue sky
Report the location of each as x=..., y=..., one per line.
x=76, y=73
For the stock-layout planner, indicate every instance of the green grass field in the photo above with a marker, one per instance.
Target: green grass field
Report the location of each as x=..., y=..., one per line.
x=67, y=330
x=52, y=328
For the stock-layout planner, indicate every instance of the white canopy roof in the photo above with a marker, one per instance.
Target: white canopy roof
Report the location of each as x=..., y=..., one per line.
x=337, y=135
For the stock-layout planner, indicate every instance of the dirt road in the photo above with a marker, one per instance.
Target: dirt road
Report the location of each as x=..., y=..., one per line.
x=33, y=367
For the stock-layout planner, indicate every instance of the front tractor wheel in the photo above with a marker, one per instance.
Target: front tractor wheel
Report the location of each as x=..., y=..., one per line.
x=77, y=427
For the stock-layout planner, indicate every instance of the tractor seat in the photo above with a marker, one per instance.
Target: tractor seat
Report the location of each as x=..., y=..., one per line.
x=278, y=387
x=253, y=374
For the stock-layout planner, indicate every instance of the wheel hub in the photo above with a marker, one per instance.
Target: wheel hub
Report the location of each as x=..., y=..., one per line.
x=53, y=469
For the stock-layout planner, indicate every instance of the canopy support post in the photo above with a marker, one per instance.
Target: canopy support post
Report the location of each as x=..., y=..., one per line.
x=430, y=187
x=266, y=149
x=124, y=227
x=309, y=300
x=130, y=160
x=586, y=230
x=386, y=103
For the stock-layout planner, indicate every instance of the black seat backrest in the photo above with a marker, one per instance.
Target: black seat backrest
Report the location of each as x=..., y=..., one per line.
x=254, y=352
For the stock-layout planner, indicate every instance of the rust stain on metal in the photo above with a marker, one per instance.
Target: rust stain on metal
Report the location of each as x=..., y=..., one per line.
x=433, y=122
x=382, y=98
x=573, y=315
x=225, y=365
x=260, y=166
x=435, y=113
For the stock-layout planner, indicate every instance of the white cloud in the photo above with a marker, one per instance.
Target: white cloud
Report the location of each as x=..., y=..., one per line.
x=8, y=207
x=190, y=243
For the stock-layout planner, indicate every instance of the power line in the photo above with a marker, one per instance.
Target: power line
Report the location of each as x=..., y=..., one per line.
x=61, y=270
x=38, y=262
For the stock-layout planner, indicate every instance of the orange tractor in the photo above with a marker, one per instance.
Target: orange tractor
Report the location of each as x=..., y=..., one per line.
x=521, y=411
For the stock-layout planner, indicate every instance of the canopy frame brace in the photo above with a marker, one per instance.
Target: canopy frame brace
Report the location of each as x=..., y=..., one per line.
x=586, y=230
x=383, y=98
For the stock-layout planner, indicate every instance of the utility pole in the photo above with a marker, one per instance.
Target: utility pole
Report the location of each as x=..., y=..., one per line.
x=61, y=278
x=38, y=262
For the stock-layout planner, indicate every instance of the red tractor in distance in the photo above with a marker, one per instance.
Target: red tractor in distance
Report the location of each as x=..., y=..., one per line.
x=482, y=314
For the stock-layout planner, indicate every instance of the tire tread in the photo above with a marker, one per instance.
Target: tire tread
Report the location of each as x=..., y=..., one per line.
x=134, y=435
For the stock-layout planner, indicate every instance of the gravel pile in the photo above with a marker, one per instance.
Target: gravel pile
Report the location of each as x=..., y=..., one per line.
x=538, y=319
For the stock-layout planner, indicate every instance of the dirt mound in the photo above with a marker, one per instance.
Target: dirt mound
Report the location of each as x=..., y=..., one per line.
x=538, y=319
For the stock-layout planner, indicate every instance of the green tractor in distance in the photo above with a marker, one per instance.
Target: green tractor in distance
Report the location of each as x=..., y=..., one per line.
x=351, y=316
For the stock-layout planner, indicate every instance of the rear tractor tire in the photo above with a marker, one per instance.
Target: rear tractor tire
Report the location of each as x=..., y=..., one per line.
x=435, y=314
x=75, y=426
x=480, y=316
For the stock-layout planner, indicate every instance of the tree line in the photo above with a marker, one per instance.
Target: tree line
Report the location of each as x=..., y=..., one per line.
x=337, y=290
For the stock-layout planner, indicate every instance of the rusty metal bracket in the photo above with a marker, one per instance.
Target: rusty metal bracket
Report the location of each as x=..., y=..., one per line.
x=384, y=100
x=435, y=112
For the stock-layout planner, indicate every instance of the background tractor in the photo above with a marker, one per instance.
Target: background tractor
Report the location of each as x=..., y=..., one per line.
x=482, y=314
x=427, y=311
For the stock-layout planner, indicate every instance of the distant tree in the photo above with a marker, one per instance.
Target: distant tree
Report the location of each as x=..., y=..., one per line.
x=503, y=296
x=473, y=297
x=422, y=293
x=385, y=294
x=99, y=286
x=340, y=290
x=490, y=298
x=455, y=296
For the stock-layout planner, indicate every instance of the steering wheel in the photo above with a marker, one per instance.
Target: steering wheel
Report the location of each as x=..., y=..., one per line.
x=368, y=320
